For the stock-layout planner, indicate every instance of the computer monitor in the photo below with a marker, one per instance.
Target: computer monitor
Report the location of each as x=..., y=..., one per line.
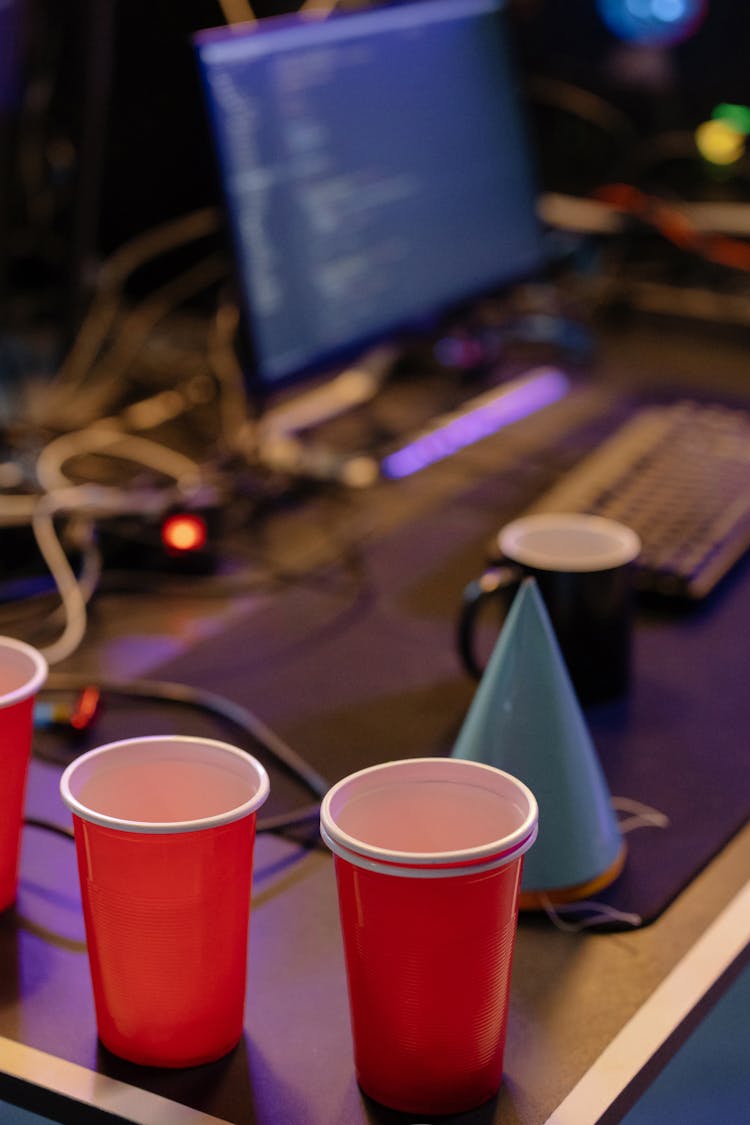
x=376, y=174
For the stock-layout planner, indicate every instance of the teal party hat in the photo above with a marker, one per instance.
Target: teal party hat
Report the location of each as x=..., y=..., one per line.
x=525, y=719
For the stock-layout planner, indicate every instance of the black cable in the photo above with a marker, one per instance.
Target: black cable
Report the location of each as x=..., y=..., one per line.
x=241, y=717
x=48, y=826
x=164, y=691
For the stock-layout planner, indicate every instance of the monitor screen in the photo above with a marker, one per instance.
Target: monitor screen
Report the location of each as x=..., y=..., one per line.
x=376, y=173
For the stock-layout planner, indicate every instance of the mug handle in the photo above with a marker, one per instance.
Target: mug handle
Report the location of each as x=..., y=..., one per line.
x=496, y=581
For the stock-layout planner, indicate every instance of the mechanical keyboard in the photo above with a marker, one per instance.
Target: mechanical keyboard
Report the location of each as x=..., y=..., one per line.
x=679, y=475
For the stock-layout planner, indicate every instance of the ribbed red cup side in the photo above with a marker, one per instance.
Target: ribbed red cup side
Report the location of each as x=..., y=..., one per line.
x=428, y=965
x=15, y=750
x=167, y=920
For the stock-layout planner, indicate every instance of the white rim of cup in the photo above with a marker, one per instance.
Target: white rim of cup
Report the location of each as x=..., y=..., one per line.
x=38, y=676
x=434, y=872
x=626, y=548
x=150, y=827
x=464, y=861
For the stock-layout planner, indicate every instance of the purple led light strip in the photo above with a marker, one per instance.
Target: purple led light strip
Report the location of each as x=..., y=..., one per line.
x=506, y=405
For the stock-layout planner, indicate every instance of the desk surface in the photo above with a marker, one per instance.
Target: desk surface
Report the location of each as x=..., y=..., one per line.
x=571, y=994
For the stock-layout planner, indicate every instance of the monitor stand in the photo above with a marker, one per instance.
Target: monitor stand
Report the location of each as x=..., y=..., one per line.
x=283, y=441
x=284, y=438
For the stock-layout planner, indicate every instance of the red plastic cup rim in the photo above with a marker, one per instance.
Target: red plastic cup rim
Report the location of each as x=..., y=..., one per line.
x=238, y=760
x=426, y=865
x=30, y=664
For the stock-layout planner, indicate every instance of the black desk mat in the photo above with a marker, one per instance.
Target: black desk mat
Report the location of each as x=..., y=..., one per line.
x=351, y=673
x=353, y=677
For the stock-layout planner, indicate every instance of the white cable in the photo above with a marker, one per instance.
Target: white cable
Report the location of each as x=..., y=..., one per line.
x=590, y=107
x=71, y=595
x=87, y=499
x=62, y=495
x=320, y=8
x=594, y=216
x=603, y=913
x=90, y=571
x=228, y=372
x=237, y=11
x=640, y=815
x=105, y=373
x=125, y=261
x=148, y=413
x=15, y=509
x=111, y=443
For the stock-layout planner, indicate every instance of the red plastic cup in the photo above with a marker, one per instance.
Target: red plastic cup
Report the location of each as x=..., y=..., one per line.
x=428, y=856
x=23, y=672
x=164, y=832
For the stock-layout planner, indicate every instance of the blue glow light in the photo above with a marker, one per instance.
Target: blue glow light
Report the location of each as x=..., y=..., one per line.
x=655, y=22
x=670, y=11
x=639, y=9
x=491, y=413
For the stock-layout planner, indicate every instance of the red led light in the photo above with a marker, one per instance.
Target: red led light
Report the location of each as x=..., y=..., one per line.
x=184, y=532
x=86, y=708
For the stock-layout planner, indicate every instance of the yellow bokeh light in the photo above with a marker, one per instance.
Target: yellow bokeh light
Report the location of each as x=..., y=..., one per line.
x=719, y=143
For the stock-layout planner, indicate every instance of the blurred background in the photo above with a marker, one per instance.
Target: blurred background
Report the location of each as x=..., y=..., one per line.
x=103, y=132
x=115, y=272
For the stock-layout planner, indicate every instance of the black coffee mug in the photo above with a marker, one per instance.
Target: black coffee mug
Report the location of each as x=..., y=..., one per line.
x=583, y=567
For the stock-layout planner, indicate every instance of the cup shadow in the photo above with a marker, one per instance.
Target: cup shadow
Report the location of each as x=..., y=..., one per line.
x=10, y=985
x=222, y=1088
x=377, y=1114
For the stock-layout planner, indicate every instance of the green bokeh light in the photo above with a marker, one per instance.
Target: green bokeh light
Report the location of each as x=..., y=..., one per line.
x=737, y=116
